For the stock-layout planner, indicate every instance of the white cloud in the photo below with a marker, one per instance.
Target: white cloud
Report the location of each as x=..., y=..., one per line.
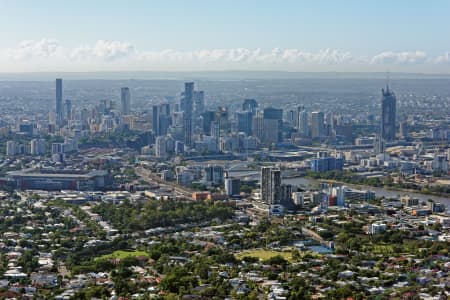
x=48, y=54
x=407, y=57
x=443, y=59
x=243, y=55
x=103, y=50
x=30, y=49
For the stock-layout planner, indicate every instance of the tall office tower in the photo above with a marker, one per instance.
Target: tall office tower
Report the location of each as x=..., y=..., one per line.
x=199, y=103
x=250, y=105
x=258, y=127
x=244, y=120
x=317, y=130
x=273, y=113
x=125, y=101
x=84, y=116
x=59, y=104
x=292, y=117
x=273, y=125
x=270, y=185
x=329, y=119
x=388, y=114
x=68, y=110
x=222, y=117
x=303, y=123
x=215, y=133
x=161, y=119
x=187, y=101
x=208, y=117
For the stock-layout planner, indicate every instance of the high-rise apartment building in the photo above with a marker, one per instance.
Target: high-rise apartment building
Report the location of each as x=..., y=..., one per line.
x=271, y=185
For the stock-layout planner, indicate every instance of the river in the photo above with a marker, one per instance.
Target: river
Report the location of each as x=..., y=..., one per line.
x=302, y=181
x=379, y=192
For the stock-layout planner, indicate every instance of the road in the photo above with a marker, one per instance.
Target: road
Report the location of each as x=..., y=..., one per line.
x=147, y=175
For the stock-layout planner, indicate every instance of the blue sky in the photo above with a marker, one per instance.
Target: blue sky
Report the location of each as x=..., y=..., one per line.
x=297, y=35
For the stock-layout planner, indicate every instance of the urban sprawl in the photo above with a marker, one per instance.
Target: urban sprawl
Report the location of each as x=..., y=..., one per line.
x=203, y=195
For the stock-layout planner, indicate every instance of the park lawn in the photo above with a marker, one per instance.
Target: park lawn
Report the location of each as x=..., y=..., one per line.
x=122, y=254
x=264, y=254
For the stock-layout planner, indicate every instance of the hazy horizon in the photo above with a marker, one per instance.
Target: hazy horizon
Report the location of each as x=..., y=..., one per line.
x=325, y=36
x=211, y=75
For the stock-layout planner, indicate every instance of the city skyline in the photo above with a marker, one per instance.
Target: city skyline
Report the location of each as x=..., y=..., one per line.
x=295, y=36
x=224, y=149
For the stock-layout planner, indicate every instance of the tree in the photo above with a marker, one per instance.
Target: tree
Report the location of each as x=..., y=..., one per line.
x=28, y=261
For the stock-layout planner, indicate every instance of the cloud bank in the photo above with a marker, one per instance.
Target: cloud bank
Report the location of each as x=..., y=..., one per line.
x=49, y=55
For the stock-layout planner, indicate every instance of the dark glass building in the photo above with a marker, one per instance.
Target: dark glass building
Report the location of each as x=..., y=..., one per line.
x=388, y=114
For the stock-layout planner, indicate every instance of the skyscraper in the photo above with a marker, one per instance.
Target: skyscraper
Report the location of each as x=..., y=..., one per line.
x=67, y=110
x=199, y=103
x=161, y=119
x=59, y=104
x=303, y=124
x=273, y=125
x=388, y=114
x=273, y=113
x=125, y=101
x=317, y=123
x=187, y=112
x=244, y=122
x=250, y=105
x=270, y=185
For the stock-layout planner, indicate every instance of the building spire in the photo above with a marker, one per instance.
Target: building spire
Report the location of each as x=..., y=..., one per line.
x=387, y=81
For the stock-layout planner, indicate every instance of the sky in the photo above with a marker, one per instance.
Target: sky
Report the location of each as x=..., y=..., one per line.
x=200, y=35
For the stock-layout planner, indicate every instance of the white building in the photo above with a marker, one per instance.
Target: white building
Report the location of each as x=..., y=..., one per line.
x=161, y=147
x=37, y=146
x=375, y=228
x=339, y=193
x=11, y=148
x=298, y=198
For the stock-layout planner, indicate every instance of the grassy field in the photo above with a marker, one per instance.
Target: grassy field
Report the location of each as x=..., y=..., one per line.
x=122, y=254
x=264, y=254
x=380, y=249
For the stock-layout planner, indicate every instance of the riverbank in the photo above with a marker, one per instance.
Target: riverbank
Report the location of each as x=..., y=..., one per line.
x=379, y=191
x=390, y=188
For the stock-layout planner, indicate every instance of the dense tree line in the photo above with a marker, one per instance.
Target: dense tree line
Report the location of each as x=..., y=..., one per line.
x=129, y=218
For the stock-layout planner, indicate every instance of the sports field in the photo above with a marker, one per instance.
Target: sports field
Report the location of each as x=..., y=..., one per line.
x=123, y=254
x=264, y=254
